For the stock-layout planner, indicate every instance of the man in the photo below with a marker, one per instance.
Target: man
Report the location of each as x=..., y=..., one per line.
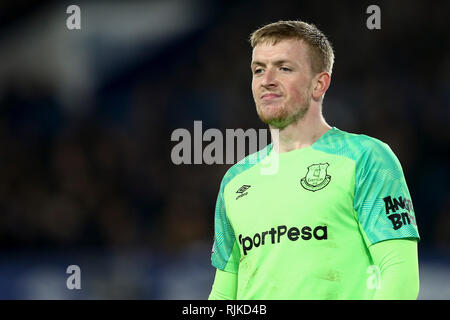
x=335, y=221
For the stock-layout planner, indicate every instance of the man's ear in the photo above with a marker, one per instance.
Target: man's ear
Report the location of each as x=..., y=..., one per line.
x=321, y=85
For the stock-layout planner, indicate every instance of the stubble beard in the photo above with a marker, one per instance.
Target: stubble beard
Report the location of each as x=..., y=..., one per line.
x=286, y=118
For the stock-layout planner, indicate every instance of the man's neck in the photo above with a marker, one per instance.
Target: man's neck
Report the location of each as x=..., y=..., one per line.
x=300, y=134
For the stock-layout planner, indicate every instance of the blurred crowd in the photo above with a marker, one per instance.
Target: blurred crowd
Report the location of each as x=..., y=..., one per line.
x=105, y=178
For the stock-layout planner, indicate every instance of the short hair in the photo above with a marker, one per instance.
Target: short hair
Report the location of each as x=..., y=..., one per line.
x=320, y=50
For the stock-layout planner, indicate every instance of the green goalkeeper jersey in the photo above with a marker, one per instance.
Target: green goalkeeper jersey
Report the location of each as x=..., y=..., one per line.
x=303, y=231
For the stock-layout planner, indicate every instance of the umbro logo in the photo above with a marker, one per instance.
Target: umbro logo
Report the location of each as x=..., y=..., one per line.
x=243, y=191
x=243, y=188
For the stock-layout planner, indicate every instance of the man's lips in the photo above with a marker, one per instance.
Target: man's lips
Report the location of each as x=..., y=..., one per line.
x=270, y=96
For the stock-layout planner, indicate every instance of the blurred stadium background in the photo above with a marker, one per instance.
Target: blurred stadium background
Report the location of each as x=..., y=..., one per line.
x=86, y=118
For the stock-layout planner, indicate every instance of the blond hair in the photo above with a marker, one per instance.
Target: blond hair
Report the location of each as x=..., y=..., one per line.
x=320, y=50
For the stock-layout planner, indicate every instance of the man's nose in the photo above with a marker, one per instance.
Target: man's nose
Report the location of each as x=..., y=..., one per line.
x=269, y=78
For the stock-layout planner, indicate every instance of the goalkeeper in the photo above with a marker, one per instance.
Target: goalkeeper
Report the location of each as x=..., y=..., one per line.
x=335, y=221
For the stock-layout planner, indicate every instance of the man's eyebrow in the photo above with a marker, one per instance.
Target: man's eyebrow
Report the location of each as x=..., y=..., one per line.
x=276, y=62
x=257, y=63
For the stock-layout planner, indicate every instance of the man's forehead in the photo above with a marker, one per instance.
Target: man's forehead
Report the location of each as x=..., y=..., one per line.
x=285, y=49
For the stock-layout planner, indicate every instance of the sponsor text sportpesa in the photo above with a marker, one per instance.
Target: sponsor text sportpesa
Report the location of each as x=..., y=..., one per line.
x=276, y=234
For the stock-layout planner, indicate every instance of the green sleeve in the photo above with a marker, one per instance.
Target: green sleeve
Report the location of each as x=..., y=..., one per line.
x=224, y=254
x=224, y=286
x=382, y=198
x=398, y=268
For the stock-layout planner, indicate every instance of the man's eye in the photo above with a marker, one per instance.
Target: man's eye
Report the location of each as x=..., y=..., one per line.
x=257, y=71
x=285, y=69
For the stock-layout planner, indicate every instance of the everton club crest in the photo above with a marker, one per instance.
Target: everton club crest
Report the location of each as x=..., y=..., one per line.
x=316, y=178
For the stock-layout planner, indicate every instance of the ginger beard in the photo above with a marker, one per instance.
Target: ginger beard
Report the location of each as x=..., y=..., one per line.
x=280, y=113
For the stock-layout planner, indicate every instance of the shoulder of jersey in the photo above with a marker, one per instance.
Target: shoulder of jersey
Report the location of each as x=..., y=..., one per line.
x=246, y=163
x=352, y=144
